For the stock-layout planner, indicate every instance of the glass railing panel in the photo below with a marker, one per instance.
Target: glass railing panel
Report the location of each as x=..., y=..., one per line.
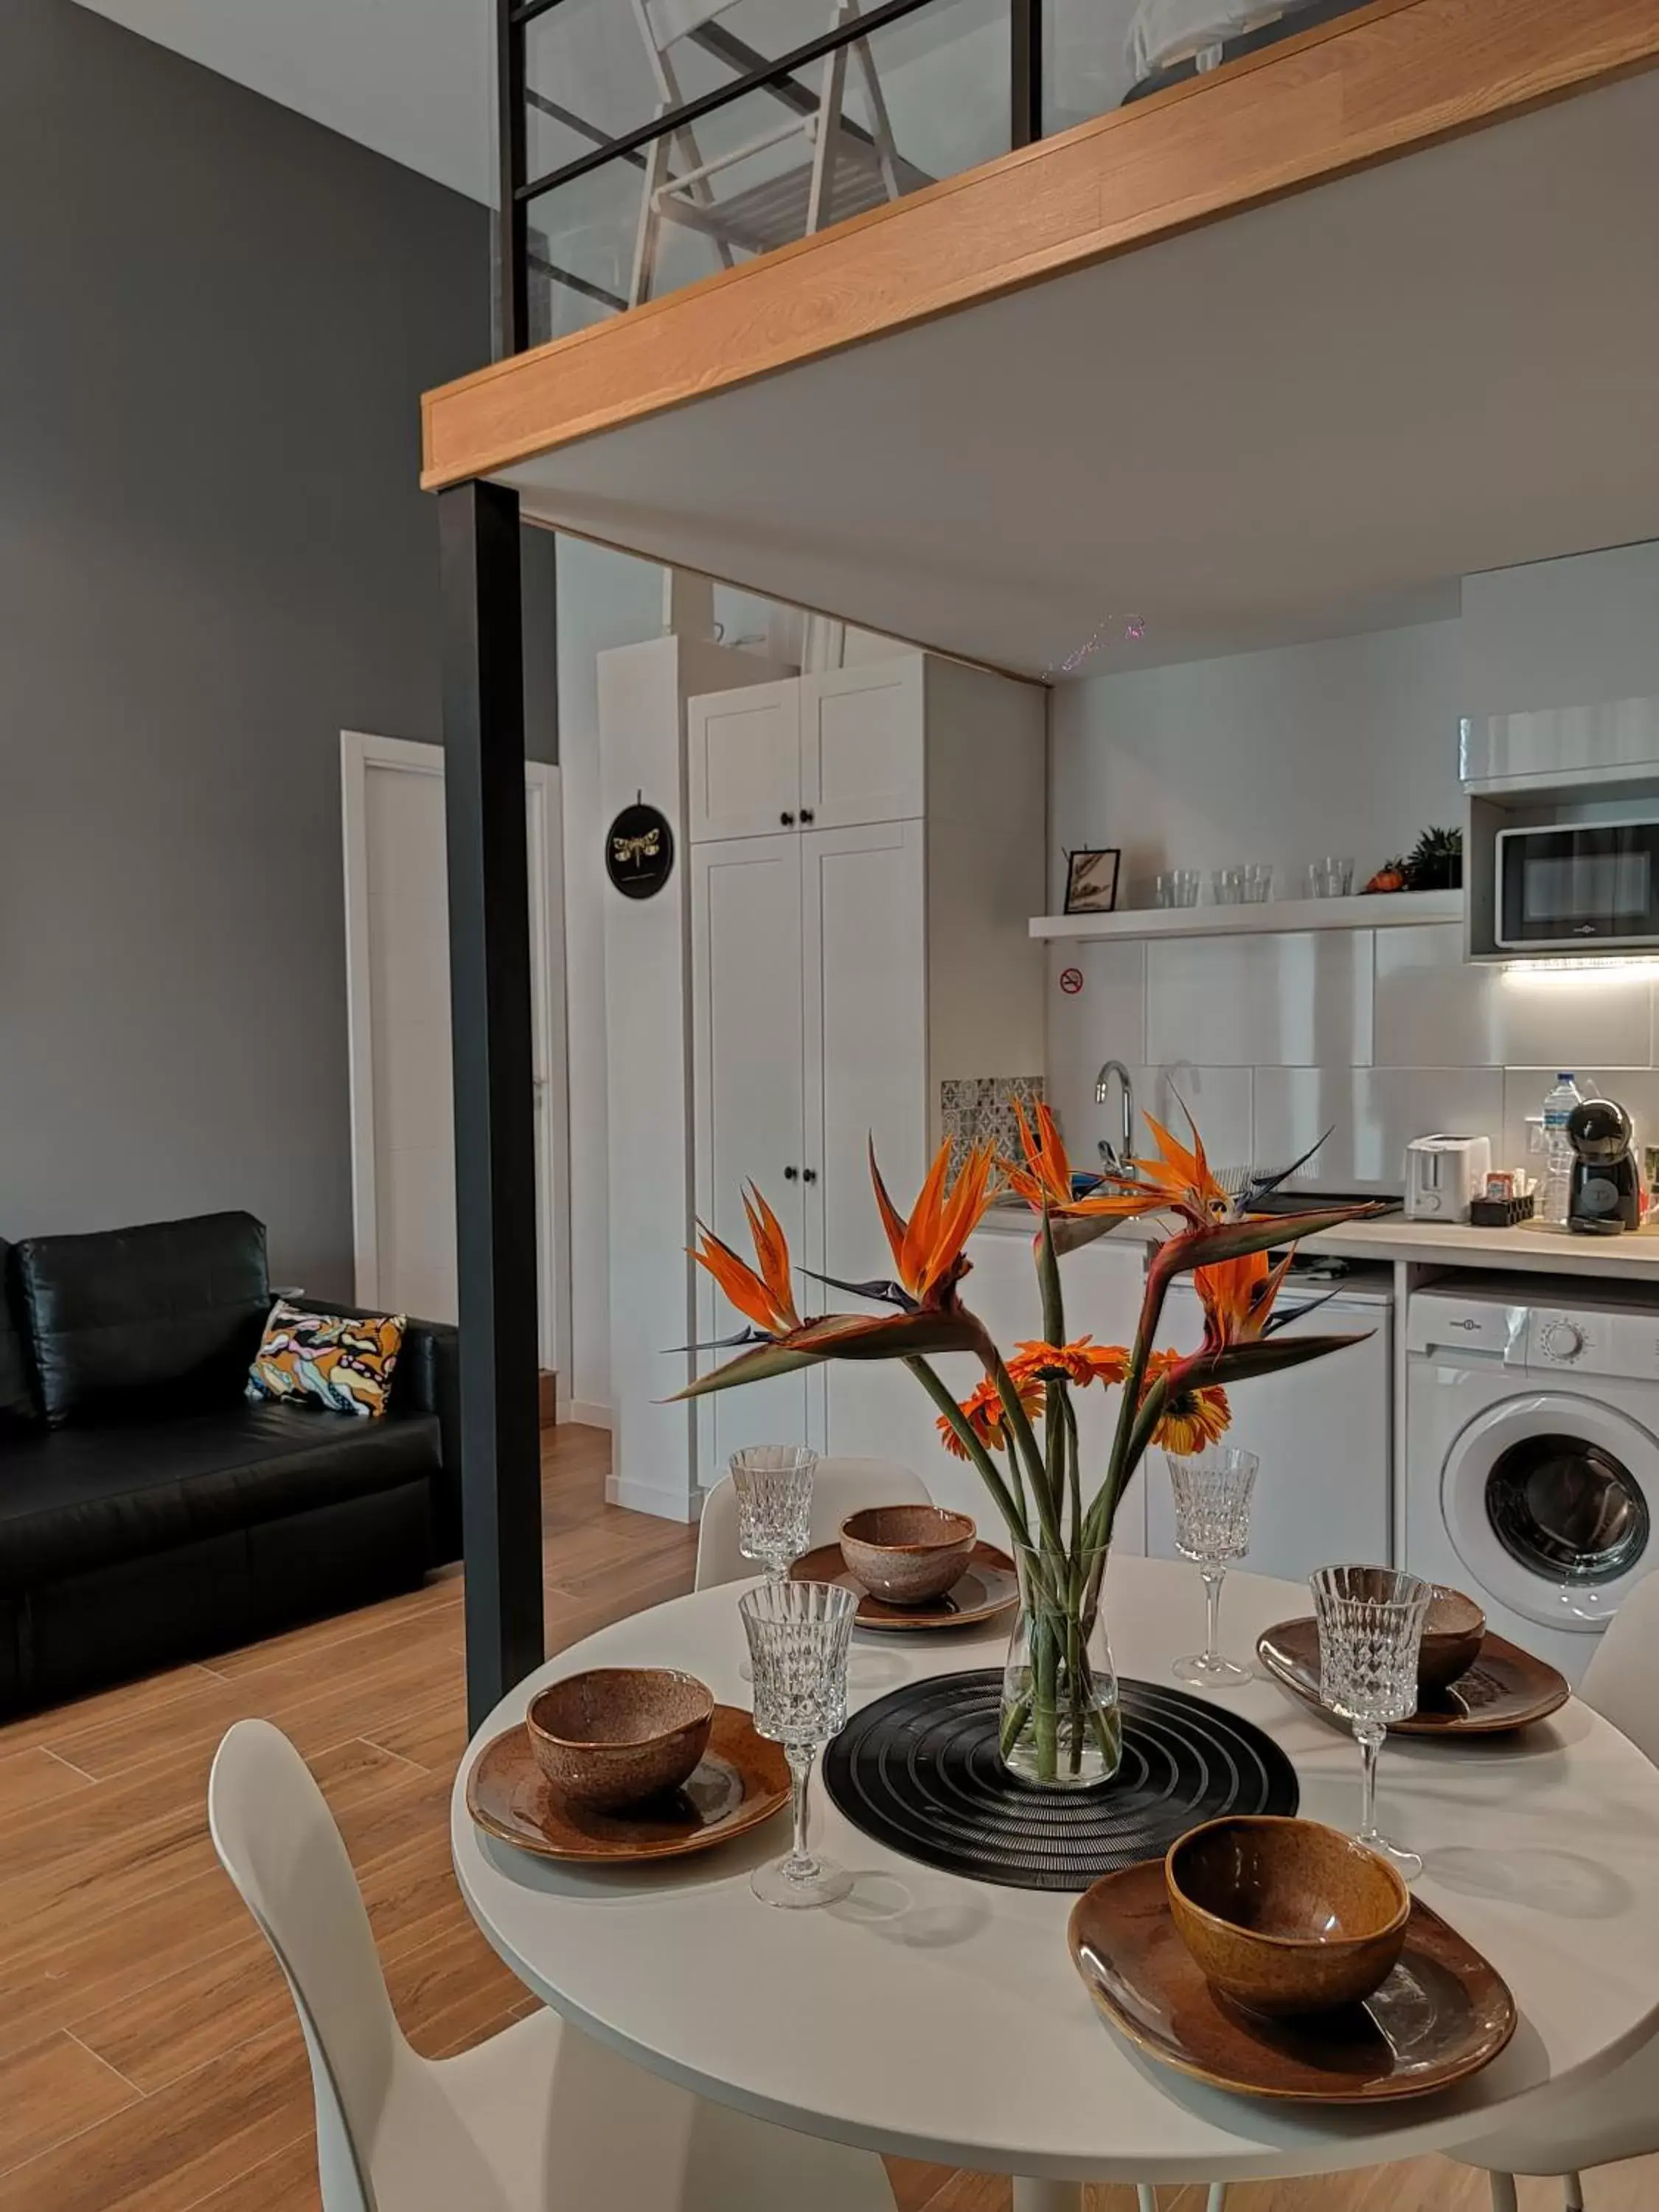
x=923, y=96
x=1098, y=54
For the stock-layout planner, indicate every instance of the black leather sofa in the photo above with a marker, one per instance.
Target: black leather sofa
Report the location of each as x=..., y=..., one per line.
x=148, y=1513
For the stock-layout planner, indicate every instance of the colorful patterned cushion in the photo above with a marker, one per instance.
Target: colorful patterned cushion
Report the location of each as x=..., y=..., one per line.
x=343, y=1363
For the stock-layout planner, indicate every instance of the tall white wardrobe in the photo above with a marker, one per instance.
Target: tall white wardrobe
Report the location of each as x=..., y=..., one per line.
x=865, y=849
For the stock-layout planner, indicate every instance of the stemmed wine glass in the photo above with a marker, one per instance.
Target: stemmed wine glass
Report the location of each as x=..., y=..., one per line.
x=774, y=1483
x=799, y=1634
x=1371, y=1625
x=1212, y=1526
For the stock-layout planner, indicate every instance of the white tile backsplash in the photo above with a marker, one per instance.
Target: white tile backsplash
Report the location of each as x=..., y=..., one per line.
x=1372, y=1114
x=1380, y=1036
x=1433, y=1009
x=1300, y=1000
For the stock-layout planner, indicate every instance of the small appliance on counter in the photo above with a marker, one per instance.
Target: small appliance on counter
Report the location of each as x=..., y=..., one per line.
x=1606, y=1182
x=1444, y=1175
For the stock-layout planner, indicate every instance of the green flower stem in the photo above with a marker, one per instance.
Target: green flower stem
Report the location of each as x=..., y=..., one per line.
x=1012, y=1512
x=1023, y=1438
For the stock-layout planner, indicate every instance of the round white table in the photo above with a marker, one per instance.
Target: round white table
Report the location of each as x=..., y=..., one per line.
x=941, y=2019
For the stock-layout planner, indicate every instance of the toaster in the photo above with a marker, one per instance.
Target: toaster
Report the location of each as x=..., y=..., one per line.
x=1443, y=1174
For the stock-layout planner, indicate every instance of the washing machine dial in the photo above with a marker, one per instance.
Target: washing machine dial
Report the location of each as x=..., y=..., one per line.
x=1562, y=1339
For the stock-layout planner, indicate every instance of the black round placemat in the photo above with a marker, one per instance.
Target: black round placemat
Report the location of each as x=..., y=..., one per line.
x=917, y=1769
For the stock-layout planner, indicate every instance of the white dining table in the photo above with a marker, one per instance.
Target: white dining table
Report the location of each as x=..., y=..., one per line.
x=941, y=2019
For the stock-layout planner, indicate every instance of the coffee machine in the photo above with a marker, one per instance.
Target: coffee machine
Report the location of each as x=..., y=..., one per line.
x=1606, y=1182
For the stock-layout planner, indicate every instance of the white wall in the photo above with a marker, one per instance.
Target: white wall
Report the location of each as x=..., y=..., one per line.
x=604, y=599
x=1348, y=746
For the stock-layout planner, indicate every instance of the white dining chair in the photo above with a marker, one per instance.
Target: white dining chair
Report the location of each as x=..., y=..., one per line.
x=1617, y=2117
x=539, y=2119
x=840, y=1487
x=841, y=168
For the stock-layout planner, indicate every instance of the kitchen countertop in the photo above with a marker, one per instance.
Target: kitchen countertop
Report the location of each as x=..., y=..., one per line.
x=1529, y=1250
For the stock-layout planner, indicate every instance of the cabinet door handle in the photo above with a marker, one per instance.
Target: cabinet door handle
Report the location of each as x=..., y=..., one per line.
x=789, y=1173
x=809, y=1175
x=807, y=815
x=788, y=819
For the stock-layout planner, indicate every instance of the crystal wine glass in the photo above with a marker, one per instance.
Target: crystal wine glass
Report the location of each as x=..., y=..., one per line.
x=1212, y=1526
x=1371, y=1624
x=799, y=1634
x=774, y=1483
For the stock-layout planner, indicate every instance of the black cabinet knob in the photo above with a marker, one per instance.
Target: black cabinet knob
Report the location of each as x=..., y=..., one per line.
x=789, y=1173
x=809, y=1175
x=807, y=815
x=788, y=819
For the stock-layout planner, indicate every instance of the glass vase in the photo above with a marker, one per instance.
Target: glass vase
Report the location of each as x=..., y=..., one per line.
x=1061, y=1727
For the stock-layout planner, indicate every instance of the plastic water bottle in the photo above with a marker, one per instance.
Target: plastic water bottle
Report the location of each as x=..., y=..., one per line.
x=1558, y=1150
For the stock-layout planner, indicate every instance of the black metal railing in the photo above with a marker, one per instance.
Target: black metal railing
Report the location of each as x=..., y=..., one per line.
x=640, y=151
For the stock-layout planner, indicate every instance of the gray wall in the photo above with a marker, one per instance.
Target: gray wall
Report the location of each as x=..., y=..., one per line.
x=217, y=318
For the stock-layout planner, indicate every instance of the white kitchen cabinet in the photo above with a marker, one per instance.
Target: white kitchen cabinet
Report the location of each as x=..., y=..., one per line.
x=840, y=974
x=832, y=751
x=862, y=743
x=1321, y=1432
x=743, y=760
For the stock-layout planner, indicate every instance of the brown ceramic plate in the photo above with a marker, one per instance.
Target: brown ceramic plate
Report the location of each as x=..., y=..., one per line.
x=742, y=1780
x=1443, y=2013
x=1505, y=1688
x=989, y=1587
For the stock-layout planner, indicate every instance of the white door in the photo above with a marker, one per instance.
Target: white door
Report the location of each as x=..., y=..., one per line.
x=743, y=761
x=864, y=956
x=861, y=743
x=397, y=994
x=746, y=1064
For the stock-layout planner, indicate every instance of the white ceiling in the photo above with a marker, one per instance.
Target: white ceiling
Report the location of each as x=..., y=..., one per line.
x=1305, y=421
x=413, y=79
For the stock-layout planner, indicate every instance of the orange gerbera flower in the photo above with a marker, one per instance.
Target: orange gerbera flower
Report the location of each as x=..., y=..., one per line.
x=1195, y=1415
x=1237, y=1297
x=1081, y=1361
x=767, y=1297
x=985, y=1415
x=929, y=1258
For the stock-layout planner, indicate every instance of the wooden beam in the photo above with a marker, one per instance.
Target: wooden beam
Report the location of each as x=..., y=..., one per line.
x=1401, y=75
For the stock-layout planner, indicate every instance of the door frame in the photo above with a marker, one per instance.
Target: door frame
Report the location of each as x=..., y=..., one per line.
x=362, y=751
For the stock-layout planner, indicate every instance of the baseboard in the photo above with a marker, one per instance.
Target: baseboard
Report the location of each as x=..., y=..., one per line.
x=646, y=1497
x=586, y=1412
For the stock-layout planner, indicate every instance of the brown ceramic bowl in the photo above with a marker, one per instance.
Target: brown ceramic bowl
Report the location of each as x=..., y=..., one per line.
x=1285, y=1916
x=617, y=1735
x=907, y=1554
x=1454, y=1630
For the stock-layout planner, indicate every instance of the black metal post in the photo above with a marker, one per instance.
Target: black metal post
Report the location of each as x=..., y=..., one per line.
x=495, y=1095
x=1025, y=72
x=514, y=214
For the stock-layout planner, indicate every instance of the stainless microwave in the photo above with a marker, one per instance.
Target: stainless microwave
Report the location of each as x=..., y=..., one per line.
x=1594, y=884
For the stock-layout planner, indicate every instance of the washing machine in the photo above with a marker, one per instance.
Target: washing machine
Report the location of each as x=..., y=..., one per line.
x=1532, y=1450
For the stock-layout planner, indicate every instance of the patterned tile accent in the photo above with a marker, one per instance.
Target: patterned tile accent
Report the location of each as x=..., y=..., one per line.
x=978, y=1110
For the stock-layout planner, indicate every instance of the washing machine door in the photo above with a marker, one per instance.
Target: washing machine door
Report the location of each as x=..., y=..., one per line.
x=1549, y=1500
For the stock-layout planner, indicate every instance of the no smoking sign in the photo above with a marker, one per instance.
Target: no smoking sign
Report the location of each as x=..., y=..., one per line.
x=1070, y=981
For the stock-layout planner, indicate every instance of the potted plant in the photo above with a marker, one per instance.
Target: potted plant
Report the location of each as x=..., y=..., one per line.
x=1060, y=1726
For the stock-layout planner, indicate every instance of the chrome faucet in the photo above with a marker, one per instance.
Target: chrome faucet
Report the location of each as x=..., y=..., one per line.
x=1116, y=1155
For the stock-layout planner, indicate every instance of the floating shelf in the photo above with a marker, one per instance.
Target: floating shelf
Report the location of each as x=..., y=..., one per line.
x=1378, y=910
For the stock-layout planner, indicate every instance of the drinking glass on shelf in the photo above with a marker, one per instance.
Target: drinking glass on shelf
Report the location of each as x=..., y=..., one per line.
x=1371, y=1624
x=1212, y=1526
x=799, y=1637
x=774, y=1483
x=1258, y=883
x=1184, y=886
x=1227, y=886
x=1330, y=879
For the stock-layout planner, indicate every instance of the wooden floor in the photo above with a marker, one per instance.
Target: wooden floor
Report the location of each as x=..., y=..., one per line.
x=149, y=2061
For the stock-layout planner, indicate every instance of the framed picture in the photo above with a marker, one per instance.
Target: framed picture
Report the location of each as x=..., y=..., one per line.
x=1091, y=882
